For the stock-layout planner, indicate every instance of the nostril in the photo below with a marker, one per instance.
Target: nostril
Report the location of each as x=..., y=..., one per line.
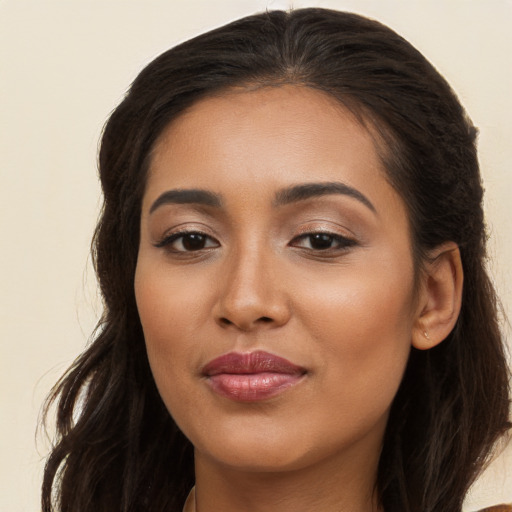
x=263, y=319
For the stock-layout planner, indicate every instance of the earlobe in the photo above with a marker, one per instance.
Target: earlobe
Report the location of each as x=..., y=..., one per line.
x=440, y=297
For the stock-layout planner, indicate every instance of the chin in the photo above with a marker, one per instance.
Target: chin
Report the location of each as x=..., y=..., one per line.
x=257, y=459
x=275, y=450
x=250, y=447
x=264, y=443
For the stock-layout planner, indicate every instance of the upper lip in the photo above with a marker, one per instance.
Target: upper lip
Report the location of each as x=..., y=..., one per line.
x=251, y=363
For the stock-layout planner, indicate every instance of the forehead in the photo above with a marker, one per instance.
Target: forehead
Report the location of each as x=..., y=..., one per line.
x=288, y=114
x=264, y=139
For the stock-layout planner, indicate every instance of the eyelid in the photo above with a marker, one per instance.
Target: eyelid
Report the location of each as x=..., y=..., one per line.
x=325, y=226
x=173, y=225
x=345, y=240
x=174, y=234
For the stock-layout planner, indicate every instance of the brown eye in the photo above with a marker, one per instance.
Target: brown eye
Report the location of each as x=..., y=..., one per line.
x=188, y=242
x=322, y=242
x=193, y=241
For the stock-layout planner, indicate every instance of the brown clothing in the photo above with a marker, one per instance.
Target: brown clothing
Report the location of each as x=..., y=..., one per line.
x=498, y=508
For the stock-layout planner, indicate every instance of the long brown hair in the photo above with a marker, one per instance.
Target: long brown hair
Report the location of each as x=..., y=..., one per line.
x=117, y=446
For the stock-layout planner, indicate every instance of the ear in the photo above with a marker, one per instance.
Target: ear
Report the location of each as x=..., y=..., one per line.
x=440, y=297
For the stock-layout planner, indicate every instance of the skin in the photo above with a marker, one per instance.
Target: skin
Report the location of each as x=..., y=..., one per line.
x=347, y=314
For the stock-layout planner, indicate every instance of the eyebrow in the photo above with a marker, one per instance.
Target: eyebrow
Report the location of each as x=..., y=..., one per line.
x=309, y=190
x=187, y=196
x=283, y=197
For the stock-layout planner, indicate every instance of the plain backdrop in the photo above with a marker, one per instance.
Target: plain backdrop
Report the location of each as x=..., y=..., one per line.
x=64, y=65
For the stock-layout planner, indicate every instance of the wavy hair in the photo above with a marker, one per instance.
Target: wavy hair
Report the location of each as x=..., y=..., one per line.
x=117, y=447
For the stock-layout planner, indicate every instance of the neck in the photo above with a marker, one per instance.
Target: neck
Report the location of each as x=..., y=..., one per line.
x=329, y=486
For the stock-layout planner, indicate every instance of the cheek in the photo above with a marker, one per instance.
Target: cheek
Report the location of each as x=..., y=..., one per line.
x=362, y=321
x=169, y=313
x=168, y=301
x=175, y=311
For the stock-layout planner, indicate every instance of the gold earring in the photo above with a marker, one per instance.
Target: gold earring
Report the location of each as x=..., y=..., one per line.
x=425, y=333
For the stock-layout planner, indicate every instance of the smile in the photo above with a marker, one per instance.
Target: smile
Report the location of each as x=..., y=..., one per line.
x=252, y=376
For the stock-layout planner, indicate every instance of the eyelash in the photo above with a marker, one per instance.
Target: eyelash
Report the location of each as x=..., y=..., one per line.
x=342, y=243
x=167, y=241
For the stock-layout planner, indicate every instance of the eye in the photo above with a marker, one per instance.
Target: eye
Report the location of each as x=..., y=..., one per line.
x=187, y=241
x=322, y=241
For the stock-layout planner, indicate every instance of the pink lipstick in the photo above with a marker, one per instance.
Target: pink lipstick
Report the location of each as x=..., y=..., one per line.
x=252, y=376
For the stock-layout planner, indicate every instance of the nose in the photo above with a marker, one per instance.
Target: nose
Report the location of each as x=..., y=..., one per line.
x=251, y=296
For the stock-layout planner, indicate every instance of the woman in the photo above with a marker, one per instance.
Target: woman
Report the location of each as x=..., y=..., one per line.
x=291, y=254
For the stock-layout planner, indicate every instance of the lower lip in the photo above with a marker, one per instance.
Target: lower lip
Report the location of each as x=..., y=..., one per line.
x=252, y=387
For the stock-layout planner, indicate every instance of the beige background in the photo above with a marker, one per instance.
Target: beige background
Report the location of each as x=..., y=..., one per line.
x=63, y=66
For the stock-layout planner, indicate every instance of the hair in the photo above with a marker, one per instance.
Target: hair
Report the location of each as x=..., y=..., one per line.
x=117, y=447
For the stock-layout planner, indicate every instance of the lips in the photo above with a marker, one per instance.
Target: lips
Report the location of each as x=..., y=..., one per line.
x=251, y=376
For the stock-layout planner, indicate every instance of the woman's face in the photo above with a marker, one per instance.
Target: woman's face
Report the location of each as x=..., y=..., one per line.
x=274, y=280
